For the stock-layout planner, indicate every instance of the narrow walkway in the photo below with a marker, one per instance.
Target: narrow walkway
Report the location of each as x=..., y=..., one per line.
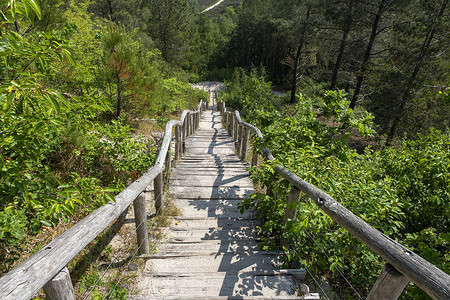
x=211, y=252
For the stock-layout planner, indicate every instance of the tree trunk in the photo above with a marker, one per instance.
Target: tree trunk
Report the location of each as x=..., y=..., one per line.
x=298, y=55
x=295, y=75
x=119, y=96
x=409, y=85
x=362, y=70
x=347, y=27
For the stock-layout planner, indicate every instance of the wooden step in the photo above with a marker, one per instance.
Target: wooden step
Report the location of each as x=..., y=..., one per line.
x=306, y=297
x=211, y=252
x=218, y=192
x=309, y=297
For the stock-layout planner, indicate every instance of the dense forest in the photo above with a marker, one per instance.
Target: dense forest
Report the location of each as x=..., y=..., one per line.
x=365, y=114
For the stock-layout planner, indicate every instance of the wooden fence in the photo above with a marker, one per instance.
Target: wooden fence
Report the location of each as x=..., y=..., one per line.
x=402, y=265
x=47, y=267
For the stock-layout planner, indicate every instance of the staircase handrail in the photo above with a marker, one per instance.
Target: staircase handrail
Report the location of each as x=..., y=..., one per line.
x=435, y=282
x=38, y=271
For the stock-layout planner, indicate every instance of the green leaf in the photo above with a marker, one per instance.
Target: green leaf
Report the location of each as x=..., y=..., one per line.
x=38, y=126
x=12, y=3
x=54, y=103
x=46, y=223
x=34, y=6
x=67, y=54
x=3, y=17
x=110, y=198
x=59, y=96
x=71, y=190
x=56, y=122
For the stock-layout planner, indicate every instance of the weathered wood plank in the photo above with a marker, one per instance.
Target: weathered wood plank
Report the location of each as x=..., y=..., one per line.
x=312, y=297
x=140, y=218
x=159, y=193
x=389, y=285
x=291, y=210
x=60, y=287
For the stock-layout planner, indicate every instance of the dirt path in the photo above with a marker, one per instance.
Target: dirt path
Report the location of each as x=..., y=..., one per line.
x=212, y=6
x=212, y=86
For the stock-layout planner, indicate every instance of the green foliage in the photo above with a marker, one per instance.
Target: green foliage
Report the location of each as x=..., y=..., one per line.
x=402, y=192
x=85, y=41
x=420, y=169
x=93, y=278
x=181, y=94
x=435, y=247
x=248, y=92
x=12, y=226
x=111, y=154
x=52, y=142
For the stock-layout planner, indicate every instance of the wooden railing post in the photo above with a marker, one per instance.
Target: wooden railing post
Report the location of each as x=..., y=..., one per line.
x=389, y=285
x=60, y=287
x=232, y=125
x=177, y=143
x=254, y=158
x=291, y=209
x=168, y=165
x=195, y=116
x=239, y=139
x=159, y=195
x=244, y=142
x=187, y=125
x=140, y=218
x=235, y=128
x=184, y=135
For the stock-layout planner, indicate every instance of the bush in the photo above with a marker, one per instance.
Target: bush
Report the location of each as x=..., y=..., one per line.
x=402, y=192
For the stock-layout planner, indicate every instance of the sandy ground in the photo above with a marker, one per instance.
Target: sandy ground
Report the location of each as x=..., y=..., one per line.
x=209, y=85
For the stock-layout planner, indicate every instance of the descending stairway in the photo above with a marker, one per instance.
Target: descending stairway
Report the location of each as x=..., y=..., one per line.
x=211, y=252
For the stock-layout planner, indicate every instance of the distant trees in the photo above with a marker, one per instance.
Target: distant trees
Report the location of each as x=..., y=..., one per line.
x=72, y=75
x=382, y=52
x=431, y=26
x=169, y=25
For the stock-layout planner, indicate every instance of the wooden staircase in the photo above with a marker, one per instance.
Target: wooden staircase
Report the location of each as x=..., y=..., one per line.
x=211, y=251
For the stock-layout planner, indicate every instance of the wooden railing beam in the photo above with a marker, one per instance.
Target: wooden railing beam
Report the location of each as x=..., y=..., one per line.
x=25, y=280
x=428, y=277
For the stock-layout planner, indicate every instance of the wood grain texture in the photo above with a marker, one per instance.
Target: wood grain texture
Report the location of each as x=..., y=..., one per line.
x=389, y=285
x=60, y=287
x=290, y=212
x=140, y=218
